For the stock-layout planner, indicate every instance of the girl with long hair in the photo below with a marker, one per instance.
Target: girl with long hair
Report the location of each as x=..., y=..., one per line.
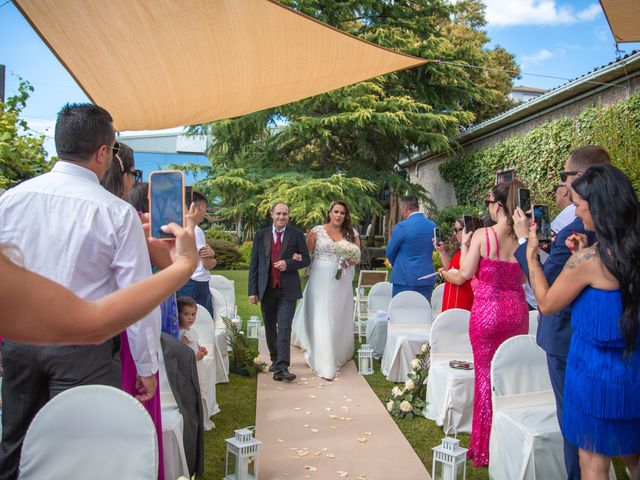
x=601, y=412
x=323, y=322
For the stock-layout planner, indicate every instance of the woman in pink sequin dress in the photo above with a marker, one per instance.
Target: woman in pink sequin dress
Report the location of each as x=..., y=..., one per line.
x=499, y=309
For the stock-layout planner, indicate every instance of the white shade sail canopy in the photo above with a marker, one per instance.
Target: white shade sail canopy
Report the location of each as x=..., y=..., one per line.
x=163, y=63
x=624, y=19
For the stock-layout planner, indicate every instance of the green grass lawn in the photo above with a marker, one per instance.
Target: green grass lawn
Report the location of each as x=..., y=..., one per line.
x=237, y=400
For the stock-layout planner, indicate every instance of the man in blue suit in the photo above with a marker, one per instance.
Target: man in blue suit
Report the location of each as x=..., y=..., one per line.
x=554, y=331
x=410, y=250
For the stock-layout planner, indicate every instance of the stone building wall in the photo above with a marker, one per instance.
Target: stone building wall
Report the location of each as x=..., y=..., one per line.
x=425, y=172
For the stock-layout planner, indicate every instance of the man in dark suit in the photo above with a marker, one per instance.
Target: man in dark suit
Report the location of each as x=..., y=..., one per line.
x=554, y=331
x=275, y=282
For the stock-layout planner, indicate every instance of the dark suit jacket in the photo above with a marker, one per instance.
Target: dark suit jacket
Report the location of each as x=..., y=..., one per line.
x=292, y=242
x=180, y=364
x=554, y=331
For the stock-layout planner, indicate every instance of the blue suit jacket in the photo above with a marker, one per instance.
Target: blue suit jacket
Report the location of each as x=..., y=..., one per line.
x=410, y=251
x=554, y=331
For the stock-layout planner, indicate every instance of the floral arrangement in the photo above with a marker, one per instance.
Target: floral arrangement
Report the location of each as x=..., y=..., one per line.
x=408, y=401
x=243, y=359
x=349, y=254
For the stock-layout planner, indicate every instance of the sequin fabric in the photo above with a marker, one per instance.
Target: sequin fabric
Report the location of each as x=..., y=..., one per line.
x=499, y=312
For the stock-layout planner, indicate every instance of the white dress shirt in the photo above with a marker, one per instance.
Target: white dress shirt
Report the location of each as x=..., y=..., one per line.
x=200, y=274
x=274, y=232
x=564, y=218
x=74, y=232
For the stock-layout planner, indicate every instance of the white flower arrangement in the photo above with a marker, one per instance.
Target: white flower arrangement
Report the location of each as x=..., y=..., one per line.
x=408, y=400
x=349, y=254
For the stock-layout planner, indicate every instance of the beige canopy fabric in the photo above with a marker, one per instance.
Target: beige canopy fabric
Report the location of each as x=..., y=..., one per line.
x=163, y=63
x=624, y=19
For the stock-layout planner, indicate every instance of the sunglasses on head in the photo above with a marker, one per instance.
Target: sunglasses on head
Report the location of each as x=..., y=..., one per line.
x=567, y=174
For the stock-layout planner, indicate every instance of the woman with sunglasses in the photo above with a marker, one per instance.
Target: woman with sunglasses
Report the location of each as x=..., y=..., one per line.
x=499, y=308
x=118, y=179
x=601, y=411
x=455, y=296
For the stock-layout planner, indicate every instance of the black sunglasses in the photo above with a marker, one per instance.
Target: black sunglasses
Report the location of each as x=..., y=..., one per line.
x=137, y=175
x=489, y=202
x=457, y=229
x=558, y=186
x=565, y=175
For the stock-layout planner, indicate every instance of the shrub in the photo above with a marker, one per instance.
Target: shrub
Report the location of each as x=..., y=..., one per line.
x=226, y=253
x=245, y=256
x=217, y=232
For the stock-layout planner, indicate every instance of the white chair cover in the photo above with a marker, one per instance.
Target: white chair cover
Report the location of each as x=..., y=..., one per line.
x=436, y=300
x=376, y=332
x=533, y=322
x=92, y=431
x=366, y=279
x=207, y=374
x=525, y=443
x=450, y=391
x=175, y=459
x=407, y=331
x=219, y=307
x=227, y=288
x=215, y=344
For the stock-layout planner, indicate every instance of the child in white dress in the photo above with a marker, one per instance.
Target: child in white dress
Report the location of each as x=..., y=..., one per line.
x=187, y=310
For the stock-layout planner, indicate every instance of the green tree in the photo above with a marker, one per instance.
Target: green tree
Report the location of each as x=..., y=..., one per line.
x=362, y=131
x=21, y=156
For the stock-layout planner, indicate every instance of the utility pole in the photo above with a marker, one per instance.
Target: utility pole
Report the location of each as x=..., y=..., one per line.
x=2, y=69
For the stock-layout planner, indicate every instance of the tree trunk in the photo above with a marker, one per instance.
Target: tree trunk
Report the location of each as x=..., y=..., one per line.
x=372, y=236
x=393, y=212
x=239, y=229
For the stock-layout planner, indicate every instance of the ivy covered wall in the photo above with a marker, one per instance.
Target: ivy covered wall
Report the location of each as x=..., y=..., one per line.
x=539, y=155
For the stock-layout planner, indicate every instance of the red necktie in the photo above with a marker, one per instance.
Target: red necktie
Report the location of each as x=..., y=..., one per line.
x=278, y=240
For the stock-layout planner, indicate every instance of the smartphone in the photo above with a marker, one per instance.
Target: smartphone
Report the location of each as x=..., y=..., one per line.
x=505, y=176
x=524, y=199
x=541, y=217
x=188, y=195
x=437, y=235
x=166, y=201
x=470, y=223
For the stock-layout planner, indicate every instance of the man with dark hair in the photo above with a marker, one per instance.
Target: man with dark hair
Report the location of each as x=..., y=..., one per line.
x=198, y=285
x=278, y=252
x=410, y=250
x=554, y=331
x=73, y=231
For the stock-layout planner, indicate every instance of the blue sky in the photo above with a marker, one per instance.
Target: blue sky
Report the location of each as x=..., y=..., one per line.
x=562, y=38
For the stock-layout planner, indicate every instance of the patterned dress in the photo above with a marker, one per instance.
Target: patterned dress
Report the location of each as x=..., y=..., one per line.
x=499, y=312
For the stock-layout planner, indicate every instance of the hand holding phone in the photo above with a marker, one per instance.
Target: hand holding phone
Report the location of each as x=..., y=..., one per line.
x=524, y=200
x=543, y=223
x=437, y=236
x=166, y=201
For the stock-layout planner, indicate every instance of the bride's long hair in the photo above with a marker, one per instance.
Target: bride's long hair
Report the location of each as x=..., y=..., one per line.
x=346, y=229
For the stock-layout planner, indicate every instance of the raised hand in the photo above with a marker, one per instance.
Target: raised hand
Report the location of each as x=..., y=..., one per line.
x=576, y=242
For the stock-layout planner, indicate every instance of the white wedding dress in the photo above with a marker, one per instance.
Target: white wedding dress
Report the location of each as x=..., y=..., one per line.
x=323, y=322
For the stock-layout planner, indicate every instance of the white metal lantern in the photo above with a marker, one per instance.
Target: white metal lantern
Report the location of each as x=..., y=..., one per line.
x=365, y=360
x=241, y=462
x=253, y=327
x=449, y=460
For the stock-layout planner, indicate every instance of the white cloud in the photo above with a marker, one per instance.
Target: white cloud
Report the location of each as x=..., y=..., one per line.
x=504, y=13
x=541, y=55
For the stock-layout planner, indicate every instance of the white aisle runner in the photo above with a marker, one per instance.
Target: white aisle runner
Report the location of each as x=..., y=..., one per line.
x=313, y=428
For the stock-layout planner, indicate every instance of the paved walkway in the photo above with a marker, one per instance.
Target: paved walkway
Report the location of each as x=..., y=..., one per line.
x=313, y=428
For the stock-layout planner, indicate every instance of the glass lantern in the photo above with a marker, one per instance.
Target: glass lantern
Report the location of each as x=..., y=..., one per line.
x=241, y=462
x=253, y=327
x=365, y=360
x=449, y=460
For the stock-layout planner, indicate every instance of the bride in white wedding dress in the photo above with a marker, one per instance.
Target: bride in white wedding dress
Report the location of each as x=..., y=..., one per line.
x=323, y=322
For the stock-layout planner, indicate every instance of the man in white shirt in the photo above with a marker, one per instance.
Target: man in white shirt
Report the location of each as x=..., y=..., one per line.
x=565, y=205
x=198, y=286
x=74, y=232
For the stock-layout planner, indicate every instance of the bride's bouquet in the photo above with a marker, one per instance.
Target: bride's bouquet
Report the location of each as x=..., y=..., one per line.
x=349, y=254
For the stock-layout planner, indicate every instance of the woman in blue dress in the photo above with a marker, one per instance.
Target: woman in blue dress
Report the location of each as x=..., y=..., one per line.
x=602, y=283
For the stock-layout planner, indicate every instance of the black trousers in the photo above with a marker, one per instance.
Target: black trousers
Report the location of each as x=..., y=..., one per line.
x=35, y=374
x=278, y=313
x=557, y=367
